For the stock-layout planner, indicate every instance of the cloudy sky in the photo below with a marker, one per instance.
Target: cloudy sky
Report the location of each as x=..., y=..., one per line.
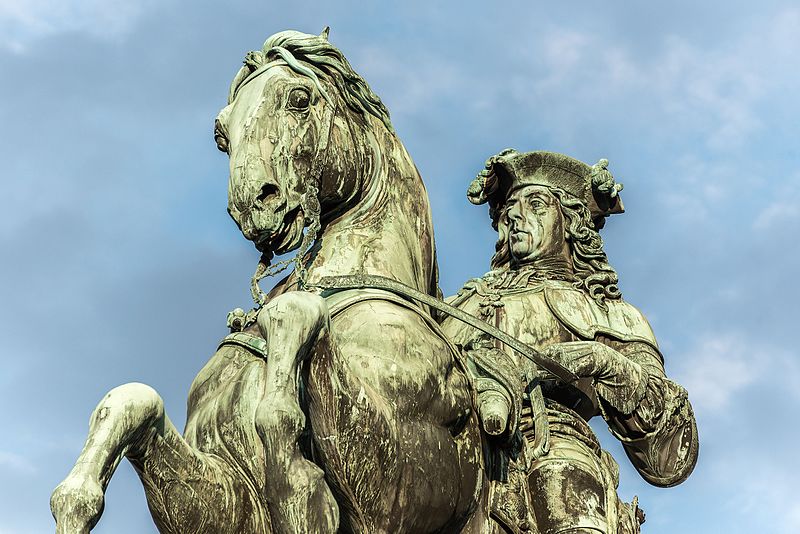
x=120, y=264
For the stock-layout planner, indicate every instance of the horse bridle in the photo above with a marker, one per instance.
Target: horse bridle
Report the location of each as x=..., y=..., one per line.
x=311, y=209
x=310, y=200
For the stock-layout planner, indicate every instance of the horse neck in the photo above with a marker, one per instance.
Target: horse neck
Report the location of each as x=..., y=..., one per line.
x=388, y=232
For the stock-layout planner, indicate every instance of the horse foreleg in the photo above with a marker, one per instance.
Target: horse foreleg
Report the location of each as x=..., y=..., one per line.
x=298, y=497
x=126, y=418
x=187, y=490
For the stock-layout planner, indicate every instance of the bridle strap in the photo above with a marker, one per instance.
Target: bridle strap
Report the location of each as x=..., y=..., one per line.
x=311, y=209
x=310, y=202
x=286, y=56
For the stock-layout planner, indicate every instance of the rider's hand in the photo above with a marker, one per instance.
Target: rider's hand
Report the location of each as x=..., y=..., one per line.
x=618, y=380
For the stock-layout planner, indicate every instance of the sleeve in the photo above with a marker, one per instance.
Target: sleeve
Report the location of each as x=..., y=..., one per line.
x=660, y=434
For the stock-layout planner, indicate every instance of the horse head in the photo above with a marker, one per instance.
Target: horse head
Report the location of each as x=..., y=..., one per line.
x=288, y=128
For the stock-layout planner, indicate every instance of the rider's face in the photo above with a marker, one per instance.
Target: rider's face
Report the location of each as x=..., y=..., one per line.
x=535, y=224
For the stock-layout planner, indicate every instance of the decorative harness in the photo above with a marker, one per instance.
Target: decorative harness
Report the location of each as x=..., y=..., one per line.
x=310, y=200
x=311, y=208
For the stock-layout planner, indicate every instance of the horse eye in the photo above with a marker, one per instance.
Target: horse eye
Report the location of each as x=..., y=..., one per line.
x=299, y=98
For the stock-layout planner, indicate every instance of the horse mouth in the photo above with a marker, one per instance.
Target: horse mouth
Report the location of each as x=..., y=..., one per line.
x=287, y=237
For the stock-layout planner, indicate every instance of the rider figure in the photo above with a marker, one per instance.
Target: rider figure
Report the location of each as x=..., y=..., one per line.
x=551, y=287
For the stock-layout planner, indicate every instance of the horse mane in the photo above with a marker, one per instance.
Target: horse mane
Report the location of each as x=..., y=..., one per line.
x=312, y=56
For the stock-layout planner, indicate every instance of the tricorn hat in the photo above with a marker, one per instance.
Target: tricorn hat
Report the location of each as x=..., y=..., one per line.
x=509, y=170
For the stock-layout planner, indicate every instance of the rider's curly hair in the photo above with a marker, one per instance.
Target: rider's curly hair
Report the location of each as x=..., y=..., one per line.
x=592, y=271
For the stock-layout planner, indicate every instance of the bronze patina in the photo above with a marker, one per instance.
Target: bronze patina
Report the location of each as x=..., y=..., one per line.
x=551, y=286
x=351, y=398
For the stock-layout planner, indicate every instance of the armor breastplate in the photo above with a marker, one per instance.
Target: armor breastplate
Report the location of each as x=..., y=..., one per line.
x=544, y=313
x=523, y=313
x=548, y=312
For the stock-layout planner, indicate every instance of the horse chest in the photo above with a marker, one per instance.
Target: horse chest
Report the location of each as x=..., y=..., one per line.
x=222, y=403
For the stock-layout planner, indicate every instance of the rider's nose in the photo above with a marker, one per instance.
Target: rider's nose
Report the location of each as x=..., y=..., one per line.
x=235, y=214
x=514, y=214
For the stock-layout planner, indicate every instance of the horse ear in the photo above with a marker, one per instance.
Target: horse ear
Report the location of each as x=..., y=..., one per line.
x=325, y=32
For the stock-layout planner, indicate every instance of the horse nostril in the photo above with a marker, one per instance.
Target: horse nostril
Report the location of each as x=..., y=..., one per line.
x=268, y=193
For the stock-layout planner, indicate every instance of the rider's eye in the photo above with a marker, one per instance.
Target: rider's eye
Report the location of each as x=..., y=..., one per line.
x=536, y=202
x=299, y=98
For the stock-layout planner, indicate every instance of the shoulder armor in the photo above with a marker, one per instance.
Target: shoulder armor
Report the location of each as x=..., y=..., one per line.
x=581, y=314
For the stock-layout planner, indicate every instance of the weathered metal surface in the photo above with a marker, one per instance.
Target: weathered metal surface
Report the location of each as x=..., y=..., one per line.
x=354, y=410
x=551, y=287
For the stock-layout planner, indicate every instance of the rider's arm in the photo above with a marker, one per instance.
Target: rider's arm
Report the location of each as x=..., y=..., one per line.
x=660, y=433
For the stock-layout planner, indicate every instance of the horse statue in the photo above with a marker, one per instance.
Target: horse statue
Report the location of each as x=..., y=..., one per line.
x=324, y=410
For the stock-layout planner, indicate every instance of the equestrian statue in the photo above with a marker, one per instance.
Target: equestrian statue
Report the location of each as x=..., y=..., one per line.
x=352, y=398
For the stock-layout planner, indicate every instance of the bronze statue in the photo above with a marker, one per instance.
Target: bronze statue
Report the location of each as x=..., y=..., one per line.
x=551, y=287
x=343, y=410
x=339, y=404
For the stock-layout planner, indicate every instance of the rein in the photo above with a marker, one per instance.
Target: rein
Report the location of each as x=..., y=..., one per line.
x=311, y=212
x=367, y=281
x=541, y=443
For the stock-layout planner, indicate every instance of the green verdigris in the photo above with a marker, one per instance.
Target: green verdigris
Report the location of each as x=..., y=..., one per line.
x=344, y=411
x=551, y=286
x=339, y=404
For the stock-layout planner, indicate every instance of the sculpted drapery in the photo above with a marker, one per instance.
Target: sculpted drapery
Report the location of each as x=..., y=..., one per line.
x=341, y=406
x=551, y=287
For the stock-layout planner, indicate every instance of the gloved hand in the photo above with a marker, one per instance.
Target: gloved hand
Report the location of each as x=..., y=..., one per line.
x=498, y=387
x=618, y=381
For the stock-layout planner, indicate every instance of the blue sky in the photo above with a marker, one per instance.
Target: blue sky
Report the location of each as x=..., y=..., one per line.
x=120, y=264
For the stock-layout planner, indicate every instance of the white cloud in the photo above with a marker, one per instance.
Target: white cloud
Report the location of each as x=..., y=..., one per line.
x=563, y=51
x=691, y=186
x=717, y=368
x=714, y=88
x=707, y=91
x=782, y=207
x=765, y=487
x=10, y=461
x=784, y=34
x=745, y=455
x=410, y=83
x=720, y=366
x=784, y=210
x=24, y=22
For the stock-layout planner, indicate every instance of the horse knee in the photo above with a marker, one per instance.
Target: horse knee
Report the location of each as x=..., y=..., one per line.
x=296, y=311
x=138, y=402
x=279, y=420
x=77, y=504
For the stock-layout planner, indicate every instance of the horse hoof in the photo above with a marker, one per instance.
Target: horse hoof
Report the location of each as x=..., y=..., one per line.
x=77, y=505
